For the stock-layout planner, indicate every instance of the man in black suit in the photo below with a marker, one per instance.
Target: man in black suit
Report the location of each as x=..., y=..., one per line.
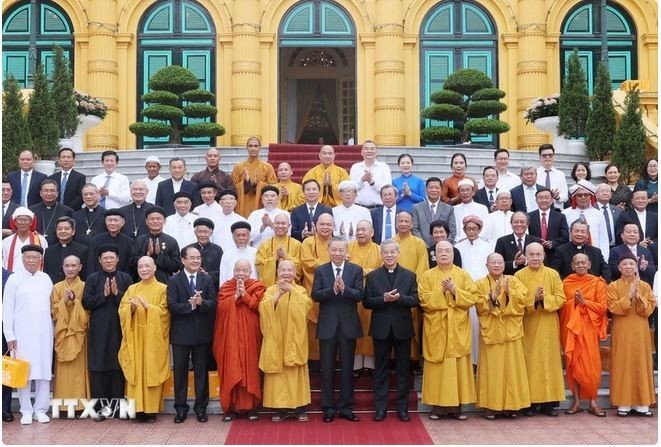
x=338, y=287
x=647, y=221
x=168, y=188
x=548, y=224
x=49, y=210
x=8, y=207
x=302, y=221
x=523, y=196
x=487, y=194
x=391, y=291
x=192, y=306
x=134, y=213
x=69, y=181
x=90, y=219
x=27, y=176
x=512, y=247
x=382, y=228
x=630, y=238
x=579, y=232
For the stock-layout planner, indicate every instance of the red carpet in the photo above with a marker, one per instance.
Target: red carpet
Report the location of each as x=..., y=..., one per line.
x=317, y=432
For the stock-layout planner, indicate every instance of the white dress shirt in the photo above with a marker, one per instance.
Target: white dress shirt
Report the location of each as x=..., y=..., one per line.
x=508, y=181
x=611, y=218
x=119, y=191
x=350, y=218
x=558, y=180
x=597, y=223
x=255, y=221
x=496, y=225
x=466, y=209
x=642, y=218
x=152, y=186
x=370, y=195
x=529, y=194
x=181, y=228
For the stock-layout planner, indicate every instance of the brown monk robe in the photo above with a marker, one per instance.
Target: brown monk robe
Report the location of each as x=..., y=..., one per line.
x=583, y=322
x=236, y=342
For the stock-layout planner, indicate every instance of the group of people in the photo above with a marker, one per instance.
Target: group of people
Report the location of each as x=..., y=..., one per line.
x=481, y=285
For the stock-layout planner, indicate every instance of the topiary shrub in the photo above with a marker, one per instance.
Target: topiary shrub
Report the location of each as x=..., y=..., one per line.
x=42, y=118
x=629, y=141
x=63, y=96
x=574, y=108
x=15, y=133
x=600, y=126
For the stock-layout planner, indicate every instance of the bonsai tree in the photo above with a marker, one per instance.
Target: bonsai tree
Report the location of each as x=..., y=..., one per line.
x=63, y=97
x=175, y=95
x=600, y=127
x=15, y=133
x=467, y=98
x=629, y=141
x=42, y=119
x=575, y=105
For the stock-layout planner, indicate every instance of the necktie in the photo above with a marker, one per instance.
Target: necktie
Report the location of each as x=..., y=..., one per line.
x=388, y=234
x=24, y=190
x=608, y=223
x=544, y=226
x=490, y=199
x=192, y=284
x=311, y=215
x=432, y=207
x=63, y=186
x=102, y=202
x=519, y=245
x=337, y=271
x=547, y=183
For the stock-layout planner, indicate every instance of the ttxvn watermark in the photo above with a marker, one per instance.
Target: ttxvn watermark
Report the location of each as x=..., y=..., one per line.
x=109, y=408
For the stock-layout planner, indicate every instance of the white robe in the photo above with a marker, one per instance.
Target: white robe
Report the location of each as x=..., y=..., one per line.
x=181, y=228
x=152, y=186
x=255, y=221
x=229, y=259
x=467, y=209
x=222, y=234
x=350, y=217
x=497, y=224
x=18, y=257
x=26, y=318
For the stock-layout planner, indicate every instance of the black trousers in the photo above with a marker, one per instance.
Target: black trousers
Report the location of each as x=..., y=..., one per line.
x=180, y=356
x=328, y=350
x=382, y=349
x=107, y=385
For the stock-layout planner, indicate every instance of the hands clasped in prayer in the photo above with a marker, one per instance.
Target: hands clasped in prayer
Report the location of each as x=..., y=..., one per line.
x=110, y=287
x=138, y=301
x=391, y=296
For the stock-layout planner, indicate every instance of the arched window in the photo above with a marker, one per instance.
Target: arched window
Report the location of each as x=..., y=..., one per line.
x=456, y=34
x=176, y=32
x=29, y=32
x=582, y=29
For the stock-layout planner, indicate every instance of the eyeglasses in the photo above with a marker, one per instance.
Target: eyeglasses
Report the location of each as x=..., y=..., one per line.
x=547, y=155
x=583, y=195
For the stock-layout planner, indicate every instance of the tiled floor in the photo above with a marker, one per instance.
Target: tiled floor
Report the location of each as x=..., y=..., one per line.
x=578, y=429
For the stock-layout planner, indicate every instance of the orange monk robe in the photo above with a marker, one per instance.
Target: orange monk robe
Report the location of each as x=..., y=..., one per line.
x=261, y=174
x=329, y=195
x=294, y=195
x=236, y=343
x=71, y=323
x=581, y=328
x=144, y=352
x=314, y=252
x=631, y=379
x=266, y=263
x=367, y=256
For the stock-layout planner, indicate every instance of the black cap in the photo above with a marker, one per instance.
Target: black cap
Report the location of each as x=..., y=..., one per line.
x=204, y=221
x=114, y=212
x=32, y=247
x=240, y=224
x=183, y=194
x=106, y=248
x=270, y=188
x=626, y=254
x=231, y=192
x=155, y=209
x=207, y=184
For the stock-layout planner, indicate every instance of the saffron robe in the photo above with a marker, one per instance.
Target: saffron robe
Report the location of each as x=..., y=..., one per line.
x=236, y=343
x=294, y=195
x=631, y=379
x=447, y=378
x=329, y=195
x=71, y=323
x=261, y=174
x=581, y=328
x=367, y=256
x=144, y=352
x=284, y=353
x=541, y=339
x=314, y=252
x=502, y=378
x=266, y=261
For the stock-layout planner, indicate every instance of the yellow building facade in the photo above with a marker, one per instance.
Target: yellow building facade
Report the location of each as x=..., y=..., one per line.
x=296, y=70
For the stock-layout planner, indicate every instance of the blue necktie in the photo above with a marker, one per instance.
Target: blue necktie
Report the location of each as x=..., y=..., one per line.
x=192, y=284
x=63, y=186
x=388, y=234
x=24, y=190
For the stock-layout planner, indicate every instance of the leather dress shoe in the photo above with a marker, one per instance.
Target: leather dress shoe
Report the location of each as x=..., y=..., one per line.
x=180, y=417
x=379, y=416
x=403, y=416
x=349, y=416
x=7, y=417
x=201, y=416
x=329, y=417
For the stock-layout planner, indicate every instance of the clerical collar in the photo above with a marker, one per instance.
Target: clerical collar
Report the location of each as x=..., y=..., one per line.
x=91, y=210
x=64, y=244
x=578, y=247
x=138, y=205
x=52, y=205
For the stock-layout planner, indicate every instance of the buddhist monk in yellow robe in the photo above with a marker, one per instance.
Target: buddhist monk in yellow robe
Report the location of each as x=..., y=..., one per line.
x=366, y=254
x=446, y=293
x=274, y=250
x=541, y=332
x=284, y=356
x=291, y=193
x=502, y=380
x=314, y=252
x=329, y=176
x=413, y=256
x=144, y=354
x=249, y=177
x=237, y=340
x=71, y=323
x=631, y=302
x=583, y=322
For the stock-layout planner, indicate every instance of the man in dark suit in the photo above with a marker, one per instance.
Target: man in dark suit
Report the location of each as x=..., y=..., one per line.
x=8, y=207
x=385, y=228
x=391, y=291
x=338, y=287
x=134, y=213
x=487, y=194
x=548, y=224
x=512, y=247
x=630, y=238
x=6, y=391
x=69, y=181
x=27, y=176
x=578, y=243
x=166, y=189
x=611, y=213
x=638, y=214
x=192, y=306
x=302, y=221
x=523, y=196
x=424, y=213
x=49, y=210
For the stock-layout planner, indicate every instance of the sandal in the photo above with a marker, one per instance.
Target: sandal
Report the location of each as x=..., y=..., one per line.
x=511, y=415
x=279, y=417
x=490, y=416
x=460, y=416
x=574, y=410
x=597, y=412
x=647, y=414
x=622, y=414
x=253, y=416
x=434, y=416
x=229, y=417
x=302, y=417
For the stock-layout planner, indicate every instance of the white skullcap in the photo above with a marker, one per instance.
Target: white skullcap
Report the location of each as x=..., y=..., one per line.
x=22, y=211
x=583, y=184
x=466, y=182
x=347, y=184
x=153, y=158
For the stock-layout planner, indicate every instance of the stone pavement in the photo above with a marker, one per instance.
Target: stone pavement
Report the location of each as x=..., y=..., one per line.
x=541, y=430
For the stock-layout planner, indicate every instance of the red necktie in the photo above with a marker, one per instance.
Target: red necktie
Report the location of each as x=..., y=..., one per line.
x=544, y=226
